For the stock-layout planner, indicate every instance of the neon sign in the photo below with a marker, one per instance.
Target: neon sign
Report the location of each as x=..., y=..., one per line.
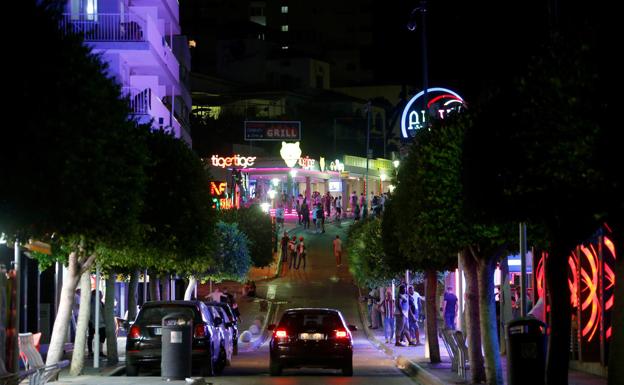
x=307, y=163
x=236, y=160
x=217, y=188
x=336, y=166
x=440, y=103
x=290, y=152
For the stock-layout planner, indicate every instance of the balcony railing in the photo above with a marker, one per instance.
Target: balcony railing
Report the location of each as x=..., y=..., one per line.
x=105, y=26
x=140, y=101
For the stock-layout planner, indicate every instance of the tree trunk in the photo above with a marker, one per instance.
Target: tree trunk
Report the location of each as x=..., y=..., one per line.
x=505, y=304
x=487, y=307
x=133, y=295
x=154, y=287
x=473, y=331
x=190, y=288
x=431, y=313
x=166, y=287
x=109, y=320
x=557, y=358
x=82, y=329
x=616, y=344
x=63, y=314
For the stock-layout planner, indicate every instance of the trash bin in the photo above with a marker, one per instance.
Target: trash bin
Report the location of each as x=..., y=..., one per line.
x=526, y=352
x=177, y=344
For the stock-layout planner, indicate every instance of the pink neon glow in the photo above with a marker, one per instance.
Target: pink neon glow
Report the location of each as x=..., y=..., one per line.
x=442, y=97
x=286, y=169
x=573, y=284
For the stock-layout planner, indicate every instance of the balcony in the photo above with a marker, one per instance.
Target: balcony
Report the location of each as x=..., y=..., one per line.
x=105, y=27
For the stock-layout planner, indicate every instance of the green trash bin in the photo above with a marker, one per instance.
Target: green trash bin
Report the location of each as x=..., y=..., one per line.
x=526, y=352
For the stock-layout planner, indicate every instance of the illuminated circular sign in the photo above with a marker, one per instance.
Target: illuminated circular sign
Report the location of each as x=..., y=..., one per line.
x=440, y=103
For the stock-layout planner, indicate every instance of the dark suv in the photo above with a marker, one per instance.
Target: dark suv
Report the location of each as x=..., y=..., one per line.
x=143, y=345
x=311, y=337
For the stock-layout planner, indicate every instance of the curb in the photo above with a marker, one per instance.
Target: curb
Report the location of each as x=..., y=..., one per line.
x=407, y=366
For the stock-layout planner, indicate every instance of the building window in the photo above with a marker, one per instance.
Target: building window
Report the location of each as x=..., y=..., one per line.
x=284, y=47
x=285, y=28
x=284, y=9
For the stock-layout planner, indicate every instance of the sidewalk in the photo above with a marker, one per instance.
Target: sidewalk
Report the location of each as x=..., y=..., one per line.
x=411, y=359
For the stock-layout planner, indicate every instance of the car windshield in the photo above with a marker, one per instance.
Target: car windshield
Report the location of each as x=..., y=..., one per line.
x=153, y=315
x=301, y=321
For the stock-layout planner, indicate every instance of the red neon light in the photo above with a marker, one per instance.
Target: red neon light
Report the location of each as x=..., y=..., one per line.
x=591, y=292
x=540, y=276
x=573, y=284
x=441, y=97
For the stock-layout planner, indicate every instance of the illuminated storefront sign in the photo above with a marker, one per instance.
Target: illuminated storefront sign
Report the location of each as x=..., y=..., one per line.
x=290, y=152
x=335, y=186
x=322, y=163
x=272, y=130
x=440, y=103
x=236, y=160
x=336, y=166
x=218, y=188
x=307, y=163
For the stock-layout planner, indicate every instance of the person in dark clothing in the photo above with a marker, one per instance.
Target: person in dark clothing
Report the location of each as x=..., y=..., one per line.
x=285, y=240
x=101, y=325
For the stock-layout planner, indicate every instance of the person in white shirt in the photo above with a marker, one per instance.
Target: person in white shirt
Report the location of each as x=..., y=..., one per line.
x=216, y=294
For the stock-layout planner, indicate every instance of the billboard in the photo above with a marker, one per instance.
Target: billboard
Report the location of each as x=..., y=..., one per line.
x=275, y=130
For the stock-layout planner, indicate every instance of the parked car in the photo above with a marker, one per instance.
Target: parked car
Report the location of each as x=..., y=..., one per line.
x=220, y=319
x=230, y=321
x=311, y=337
x=143, y=344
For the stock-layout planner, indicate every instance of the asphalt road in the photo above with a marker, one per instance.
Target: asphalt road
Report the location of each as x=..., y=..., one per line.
x=322, y=284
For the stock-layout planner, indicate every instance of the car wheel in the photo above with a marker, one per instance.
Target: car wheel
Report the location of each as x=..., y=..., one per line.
x=208, y=369
x=221, y=361
x=132, y=370
x=347, y=368
x=275, y=369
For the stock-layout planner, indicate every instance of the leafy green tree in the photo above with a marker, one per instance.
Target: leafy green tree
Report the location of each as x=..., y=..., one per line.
x=540, y=152
x=367, y=261
x=76, y=168
x=257, y=226
x=232, y=256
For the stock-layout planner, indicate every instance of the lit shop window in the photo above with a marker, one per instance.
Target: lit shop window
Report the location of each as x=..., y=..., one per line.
x=284, y=9
x=285, y=28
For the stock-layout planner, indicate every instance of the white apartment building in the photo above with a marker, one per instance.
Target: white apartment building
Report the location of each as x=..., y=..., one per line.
x=141, y=42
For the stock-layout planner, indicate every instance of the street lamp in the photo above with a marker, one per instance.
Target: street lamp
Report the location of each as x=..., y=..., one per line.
x=411, y=25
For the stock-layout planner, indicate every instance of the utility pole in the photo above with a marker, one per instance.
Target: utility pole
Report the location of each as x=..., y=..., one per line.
x=425, y=66
x=368, y=111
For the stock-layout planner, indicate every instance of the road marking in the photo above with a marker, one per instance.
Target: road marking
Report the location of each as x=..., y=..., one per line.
x=271, y=292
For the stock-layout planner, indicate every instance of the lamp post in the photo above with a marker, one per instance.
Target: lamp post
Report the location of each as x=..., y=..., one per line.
x=411, y=25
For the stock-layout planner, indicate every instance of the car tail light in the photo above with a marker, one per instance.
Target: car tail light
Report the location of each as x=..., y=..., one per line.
x=200, y=330
x=281, y=333
x=341, y=334
x=135, y=332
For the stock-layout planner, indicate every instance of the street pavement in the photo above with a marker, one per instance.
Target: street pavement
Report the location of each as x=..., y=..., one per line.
x=322, y=284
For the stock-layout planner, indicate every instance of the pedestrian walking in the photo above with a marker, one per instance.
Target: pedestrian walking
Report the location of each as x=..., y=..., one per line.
x=320, y=216
x=292, y=247
x=301, y=253
x=298, y=208
x=314, y=219
x=305, y=214
x=401, y=318
x=337, y=243
x=387, y=309
x=413, y=314
x=328, y=204
x=284, y=244
x=354, y=208
x=356, y=211
x=449, y=308
x=338, y=206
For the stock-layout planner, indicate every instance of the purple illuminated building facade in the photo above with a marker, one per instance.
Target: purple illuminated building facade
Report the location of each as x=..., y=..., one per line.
x=141, y=42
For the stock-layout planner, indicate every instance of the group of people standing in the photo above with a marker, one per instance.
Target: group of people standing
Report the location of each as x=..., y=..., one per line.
x=401, y=314
x=360, y=206
x=293, y=252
